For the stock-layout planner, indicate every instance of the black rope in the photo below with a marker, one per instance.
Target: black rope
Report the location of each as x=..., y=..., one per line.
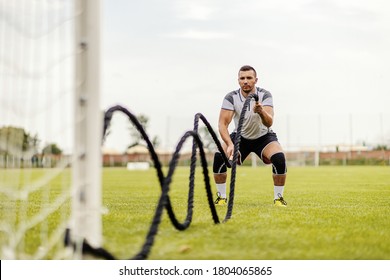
x=165, y=181
x=164, y=196
x=237, y=142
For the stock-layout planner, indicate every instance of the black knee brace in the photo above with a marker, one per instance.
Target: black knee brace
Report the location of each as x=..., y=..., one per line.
x=219, y=165
x=278, y=161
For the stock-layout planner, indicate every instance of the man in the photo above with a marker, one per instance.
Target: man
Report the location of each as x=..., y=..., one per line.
x=256, y=134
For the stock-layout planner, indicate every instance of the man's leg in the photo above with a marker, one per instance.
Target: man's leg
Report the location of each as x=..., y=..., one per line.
x=220, y=175
x=274, y=153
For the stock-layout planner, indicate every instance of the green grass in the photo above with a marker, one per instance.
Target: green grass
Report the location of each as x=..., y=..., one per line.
x=333, y=213
x=16, y=214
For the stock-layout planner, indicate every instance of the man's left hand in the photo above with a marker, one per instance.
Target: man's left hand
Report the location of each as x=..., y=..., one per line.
x=258, y=108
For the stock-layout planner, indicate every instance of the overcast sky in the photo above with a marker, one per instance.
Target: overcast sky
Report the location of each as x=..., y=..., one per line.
x=325, y=62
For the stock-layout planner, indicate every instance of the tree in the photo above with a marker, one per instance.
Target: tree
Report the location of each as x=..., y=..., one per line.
x=156, y=141
x=52, y=149
x=207, y=139
x=135, y=134
x=14, y=140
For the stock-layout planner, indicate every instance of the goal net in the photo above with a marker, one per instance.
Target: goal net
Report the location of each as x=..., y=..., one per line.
x=50, y=128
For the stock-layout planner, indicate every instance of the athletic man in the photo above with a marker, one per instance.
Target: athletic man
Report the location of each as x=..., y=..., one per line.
x=256, y=134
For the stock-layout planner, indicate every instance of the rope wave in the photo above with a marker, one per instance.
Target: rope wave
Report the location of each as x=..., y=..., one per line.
x=165, y=181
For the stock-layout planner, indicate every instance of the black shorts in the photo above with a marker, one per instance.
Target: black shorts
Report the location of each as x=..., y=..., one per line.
x=254, y=145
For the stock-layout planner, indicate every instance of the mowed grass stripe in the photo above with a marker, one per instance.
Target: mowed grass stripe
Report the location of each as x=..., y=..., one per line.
x=332, y=213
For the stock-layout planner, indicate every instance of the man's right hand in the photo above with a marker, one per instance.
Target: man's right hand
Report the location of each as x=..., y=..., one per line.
x=230, y=151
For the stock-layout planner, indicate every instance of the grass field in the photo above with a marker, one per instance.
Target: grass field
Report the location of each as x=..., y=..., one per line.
x=333, y=213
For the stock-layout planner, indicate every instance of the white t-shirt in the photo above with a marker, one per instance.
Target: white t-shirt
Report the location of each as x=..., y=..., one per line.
x=252, y=127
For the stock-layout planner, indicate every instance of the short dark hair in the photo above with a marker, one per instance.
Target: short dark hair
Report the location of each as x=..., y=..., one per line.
x=247, y=68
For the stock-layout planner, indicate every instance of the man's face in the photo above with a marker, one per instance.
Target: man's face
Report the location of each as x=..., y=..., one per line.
x=247, y=80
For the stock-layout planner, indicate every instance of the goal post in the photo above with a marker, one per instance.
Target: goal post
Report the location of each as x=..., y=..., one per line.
x=50, y=128
x=86, y=225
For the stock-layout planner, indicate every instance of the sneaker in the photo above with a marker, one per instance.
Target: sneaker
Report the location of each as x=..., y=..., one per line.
x=220, y=200
x=280, y=202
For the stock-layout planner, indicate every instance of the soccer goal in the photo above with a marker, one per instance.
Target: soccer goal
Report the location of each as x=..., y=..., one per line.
x=50, y=128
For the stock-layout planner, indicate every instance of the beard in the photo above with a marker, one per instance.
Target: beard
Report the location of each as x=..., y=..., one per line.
x=247, y=90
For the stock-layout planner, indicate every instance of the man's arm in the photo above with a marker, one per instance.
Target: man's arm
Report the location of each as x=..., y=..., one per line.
x=266, y=114
x=225, y=117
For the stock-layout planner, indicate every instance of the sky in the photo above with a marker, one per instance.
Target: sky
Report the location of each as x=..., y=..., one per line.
x=325, y=62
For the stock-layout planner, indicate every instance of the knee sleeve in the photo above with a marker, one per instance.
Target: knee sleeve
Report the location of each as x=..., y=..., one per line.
x=278, y=161
x=219, y=165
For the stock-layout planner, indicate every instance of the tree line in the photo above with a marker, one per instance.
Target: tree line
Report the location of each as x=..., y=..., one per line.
x=16, y=141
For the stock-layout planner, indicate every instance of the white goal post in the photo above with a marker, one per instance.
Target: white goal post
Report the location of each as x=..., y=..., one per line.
x=50, y=128
x=86, y=219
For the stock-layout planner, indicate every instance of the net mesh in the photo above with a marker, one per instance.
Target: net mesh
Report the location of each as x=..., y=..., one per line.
x=37, y=85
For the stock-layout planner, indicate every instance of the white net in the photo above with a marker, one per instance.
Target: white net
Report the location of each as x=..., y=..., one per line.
x=38, y=87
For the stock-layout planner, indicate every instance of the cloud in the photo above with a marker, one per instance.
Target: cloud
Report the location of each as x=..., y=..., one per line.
x=198, y=35
x=192, y=10
x=305, y=50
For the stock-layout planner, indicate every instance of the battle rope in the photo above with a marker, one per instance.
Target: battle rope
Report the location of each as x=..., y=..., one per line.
x=165, y=181
x=237, y=141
